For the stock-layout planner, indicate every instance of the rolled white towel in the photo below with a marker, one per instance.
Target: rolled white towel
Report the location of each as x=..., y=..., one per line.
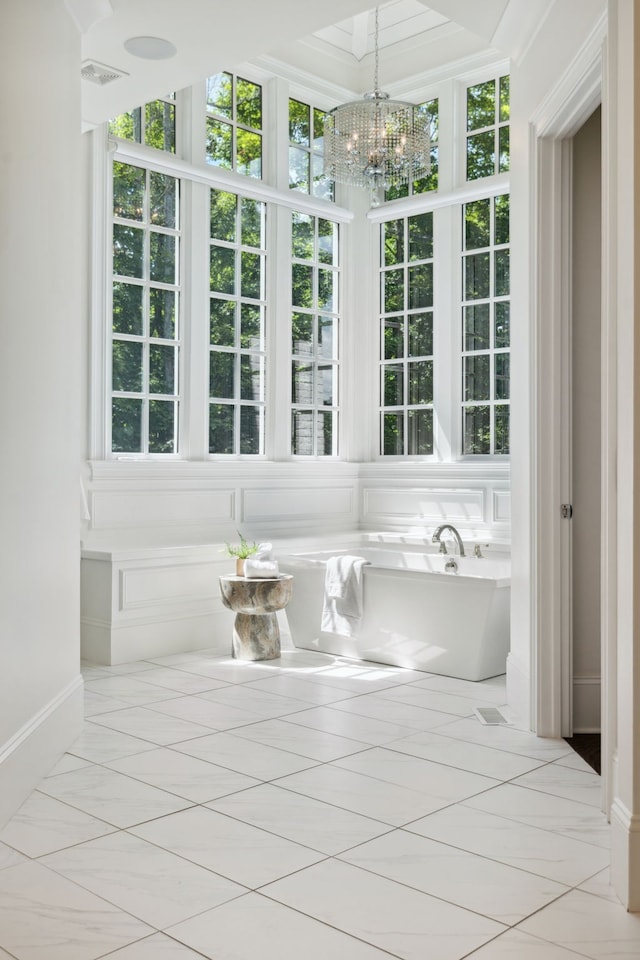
x=263, y=552
x=261, y=569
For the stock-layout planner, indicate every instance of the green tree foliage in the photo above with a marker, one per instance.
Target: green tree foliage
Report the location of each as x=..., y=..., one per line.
x=487, y=128
x=234, y=124
x=153, y=124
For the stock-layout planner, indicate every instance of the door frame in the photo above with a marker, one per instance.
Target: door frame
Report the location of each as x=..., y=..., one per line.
x=552, y=128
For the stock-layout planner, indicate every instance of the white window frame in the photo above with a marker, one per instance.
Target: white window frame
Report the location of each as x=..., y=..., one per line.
x=313, y=360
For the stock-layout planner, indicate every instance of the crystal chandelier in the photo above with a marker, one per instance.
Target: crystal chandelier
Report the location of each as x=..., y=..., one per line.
x=376, y=142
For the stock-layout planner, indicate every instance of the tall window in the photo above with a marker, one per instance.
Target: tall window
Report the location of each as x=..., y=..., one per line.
x=146, y=311
x=488, y=128
x=154, y=124
x=485, y=326
x=315, y=321
x=430, y=182
x=306, y=150
x=237, y=324
x=234, y=124
x=406, y=336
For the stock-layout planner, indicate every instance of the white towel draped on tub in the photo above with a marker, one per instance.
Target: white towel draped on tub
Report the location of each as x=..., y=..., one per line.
x=343, y=595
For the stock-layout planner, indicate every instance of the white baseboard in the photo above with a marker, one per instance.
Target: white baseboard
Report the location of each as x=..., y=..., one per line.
x=625, y=855
x=36, y=747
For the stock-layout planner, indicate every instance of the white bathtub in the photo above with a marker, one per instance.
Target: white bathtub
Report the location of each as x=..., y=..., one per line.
x=415, y=614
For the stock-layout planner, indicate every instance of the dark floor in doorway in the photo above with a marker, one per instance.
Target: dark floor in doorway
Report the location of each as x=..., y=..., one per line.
x=588, y=746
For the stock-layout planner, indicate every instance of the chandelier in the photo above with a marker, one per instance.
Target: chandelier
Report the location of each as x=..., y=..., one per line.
x=376, y=142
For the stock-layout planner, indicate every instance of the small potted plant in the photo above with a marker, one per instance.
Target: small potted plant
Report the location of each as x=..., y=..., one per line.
x=241, y=551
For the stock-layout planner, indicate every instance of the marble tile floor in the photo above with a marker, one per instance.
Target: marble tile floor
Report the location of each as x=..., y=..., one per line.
x=307, y=807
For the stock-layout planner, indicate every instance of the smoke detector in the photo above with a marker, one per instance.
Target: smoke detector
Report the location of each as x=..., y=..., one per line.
x=100, y=73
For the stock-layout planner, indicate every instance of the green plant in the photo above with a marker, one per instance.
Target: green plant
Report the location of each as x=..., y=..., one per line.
x=243, y=549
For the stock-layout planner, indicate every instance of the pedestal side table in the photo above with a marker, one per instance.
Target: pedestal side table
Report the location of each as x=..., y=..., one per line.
x=256, y=634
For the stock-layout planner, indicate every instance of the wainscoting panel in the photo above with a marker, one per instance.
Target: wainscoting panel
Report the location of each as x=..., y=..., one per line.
x=424, y=505
x=300, y=502
x=111, y=509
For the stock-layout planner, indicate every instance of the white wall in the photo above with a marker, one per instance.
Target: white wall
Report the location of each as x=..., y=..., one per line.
x=40, y=690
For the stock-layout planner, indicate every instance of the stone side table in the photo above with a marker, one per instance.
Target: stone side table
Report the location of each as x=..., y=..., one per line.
x=256, y=635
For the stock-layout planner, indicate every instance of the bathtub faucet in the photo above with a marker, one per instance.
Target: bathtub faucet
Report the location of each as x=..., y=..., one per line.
x=436, y=538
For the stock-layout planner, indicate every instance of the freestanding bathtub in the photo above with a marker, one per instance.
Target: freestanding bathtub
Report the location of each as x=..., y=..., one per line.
x=416, y=614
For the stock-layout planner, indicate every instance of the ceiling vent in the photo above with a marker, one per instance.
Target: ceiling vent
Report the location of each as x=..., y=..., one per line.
x=99, y=73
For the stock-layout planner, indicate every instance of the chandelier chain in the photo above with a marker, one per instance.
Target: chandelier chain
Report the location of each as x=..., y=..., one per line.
x=376, y=84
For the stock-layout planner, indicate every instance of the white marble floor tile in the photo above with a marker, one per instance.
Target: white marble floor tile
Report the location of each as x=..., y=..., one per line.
x=304, y=741
x=253, y=759
x=527, y=848
x=43, y=916
x=388, y=915
x=591, y=926
x=506, y=738
x=229, y=670
x=473, y=757
x=354, y=679
x=258, y=703
x=215, y=716
x=96, y=703
x=256, y=928
x=351, y=725
x=393, y=711
x=233, y=849
x=131, y=668
x=176, y=659
x=600, y=886
x=152, y=884
x=188, y=777
x=9, y=857
x=67, y=763
x=302, y=819
x=44, y=824
x=492, y=889
x=515, y=945
x=130, y=689
x=585, y=786
x=157, y=728
x=180, y=680
x=111, y=796
x=369, y=797
x=157, y=947
x=457, y=706
x=91, y=671
x=288, y=685
x=575, y=761
x=568, y=817
x=99, y=744
x=493, y=690
x=441, y=784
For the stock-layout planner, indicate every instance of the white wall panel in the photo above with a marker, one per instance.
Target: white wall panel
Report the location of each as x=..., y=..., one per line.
x=116, y=509
x=431, y=505
x=502, y=506
x=285, y=503
x=154, y=585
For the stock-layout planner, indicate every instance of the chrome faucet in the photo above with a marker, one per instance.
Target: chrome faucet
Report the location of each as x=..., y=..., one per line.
x=436, y=538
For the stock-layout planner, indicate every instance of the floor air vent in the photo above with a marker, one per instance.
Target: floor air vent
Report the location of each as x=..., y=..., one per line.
x=490, y=716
